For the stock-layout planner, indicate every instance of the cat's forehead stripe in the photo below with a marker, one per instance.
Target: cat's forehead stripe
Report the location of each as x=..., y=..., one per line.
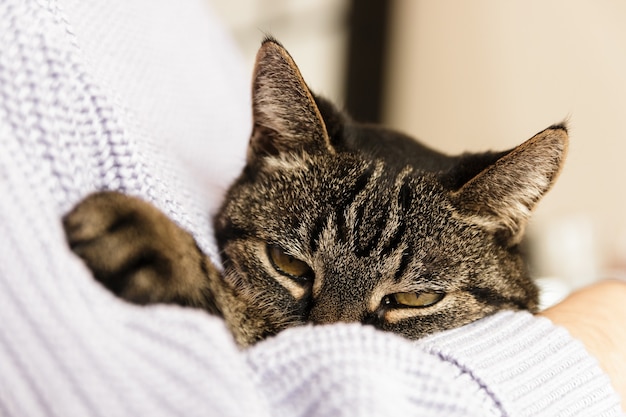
x=369, y=217
x=338, y=217
x=379, y=225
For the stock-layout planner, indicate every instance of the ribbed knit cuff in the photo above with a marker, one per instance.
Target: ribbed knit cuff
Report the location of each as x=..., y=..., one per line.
x=352, y=370
x=528, y=366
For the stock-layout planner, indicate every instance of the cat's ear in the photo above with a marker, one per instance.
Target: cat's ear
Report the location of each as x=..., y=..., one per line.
x=286, y=117
x=502, y=196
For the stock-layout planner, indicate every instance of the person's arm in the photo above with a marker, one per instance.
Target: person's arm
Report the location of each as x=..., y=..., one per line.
x=597, y=316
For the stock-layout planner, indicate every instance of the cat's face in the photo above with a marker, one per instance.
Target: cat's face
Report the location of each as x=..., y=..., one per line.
x=331, y=222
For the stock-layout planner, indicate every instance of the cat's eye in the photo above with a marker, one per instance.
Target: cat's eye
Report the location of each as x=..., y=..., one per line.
x=413, y=299
x=287, y=264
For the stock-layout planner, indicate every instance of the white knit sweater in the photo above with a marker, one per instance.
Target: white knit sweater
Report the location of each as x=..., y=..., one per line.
x=148, y=97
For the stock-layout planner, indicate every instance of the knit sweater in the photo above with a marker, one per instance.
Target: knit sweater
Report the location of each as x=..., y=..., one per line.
x=149, y=98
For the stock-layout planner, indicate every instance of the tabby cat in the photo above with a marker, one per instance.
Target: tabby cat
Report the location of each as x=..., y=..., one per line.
x=334, y=221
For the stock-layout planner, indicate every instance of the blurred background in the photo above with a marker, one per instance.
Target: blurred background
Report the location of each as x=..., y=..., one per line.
x=480, y=75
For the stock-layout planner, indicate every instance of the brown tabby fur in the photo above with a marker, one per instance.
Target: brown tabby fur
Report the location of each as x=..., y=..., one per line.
x=372, y=212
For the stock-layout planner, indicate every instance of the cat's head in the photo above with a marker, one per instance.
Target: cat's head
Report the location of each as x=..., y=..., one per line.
x=332, y=220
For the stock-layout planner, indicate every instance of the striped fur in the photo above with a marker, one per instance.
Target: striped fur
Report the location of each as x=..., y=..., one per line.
x=374, y=213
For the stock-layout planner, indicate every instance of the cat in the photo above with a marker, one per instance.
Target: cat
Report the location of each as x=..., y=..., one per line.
x=334, y=221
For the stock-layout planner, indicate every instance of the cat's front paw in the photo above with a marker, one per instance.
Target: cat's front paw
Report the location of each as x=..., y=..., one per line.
x=136, y=251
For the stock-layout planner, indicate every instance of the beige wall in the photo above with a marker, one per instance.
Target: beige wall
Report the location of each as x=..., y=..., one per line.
x=489, y=73
x=314, y=32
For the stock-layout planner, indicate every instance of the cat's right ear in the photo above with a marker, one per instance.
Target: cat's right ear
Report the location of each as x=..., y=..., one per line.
x=286, y=117
x=502, y=196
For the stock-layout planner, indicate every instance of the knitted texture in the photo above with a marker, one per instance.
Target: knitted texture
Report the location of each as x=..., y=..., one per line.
x=150, y=99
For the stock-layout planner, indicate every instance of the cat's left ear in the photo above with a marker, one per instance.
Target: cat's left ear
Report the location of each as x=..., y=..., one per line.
x=502, y=196
x=286, y=117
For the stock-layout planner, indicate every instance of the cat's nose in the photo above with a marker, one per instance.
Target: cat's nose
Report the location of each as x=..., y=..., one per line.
x=334, y=311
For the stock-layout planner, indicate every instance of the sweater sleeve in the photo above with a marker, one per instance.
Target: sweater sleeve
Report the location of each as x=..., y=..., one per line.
x=528, y=366
x=510, y=364
x=92, y=97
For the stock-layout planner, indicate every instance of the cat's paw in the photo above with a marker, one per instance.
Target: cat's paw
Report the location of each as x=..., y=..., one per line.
x=136, y=251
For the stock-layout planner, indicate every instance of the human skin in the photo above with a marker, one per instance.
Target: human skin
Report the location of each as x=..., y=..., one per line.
x=596, y=315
